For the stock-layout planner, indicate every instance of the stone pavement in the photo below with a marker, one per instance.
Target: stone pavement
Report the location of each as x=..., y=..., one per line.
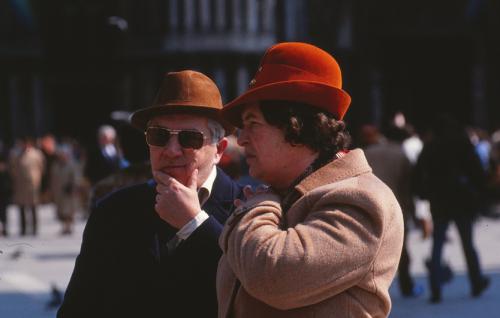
x=29, y=266
x=457, y=301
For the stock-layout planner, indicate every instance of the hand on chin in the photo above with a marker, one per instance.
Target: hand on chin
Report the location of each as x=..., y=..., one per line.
x=178, y=174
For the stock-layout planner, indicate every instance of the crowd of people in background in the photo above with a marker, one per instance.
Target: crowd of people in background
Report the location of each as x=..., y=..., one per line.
x=41, y=171
x=57, y=170
x=447, y=174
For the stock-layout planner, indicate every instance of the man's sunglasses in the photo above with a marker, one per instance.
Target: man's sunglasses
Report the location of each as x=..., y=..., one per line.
x=159, y=137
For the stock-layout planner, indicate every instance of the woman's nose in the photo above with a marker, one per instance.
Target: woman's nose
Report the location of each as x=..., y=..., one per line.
x=242, y=137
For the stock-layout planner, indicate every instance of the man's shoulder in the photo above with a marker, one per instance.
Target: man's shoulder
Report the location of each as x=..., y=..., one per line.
x=129, y=197
x=224, y=192
x=225, y=188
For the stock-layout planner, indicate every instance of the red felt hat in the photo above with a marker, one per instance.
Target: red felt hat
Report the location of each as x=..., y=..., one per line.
x=296, y=72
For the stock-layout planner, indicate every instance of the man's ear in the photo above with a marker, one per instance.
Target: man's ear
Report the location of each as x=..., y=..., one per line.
x=221, y=147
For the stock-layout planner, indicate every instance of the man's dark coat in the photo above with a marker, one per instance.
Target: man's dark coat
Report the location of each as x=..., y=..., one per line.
x=125, y=270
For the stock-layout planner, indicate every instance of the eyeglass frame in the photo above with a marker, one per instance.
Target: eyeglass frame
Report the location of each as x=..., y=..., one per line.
x=175, y=132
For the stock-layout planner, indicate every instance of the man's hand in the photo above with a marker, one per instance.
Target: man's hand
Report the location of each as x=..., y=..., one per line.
x=176, y=203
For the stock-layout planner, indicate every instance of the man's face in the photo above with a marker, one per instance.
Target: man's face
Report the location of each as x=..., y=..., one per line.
x=270, y=158
x=180, y=162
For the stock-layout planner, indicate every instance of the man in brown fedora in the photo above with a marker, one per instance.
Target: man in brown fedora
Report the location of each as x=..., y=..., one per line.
x=325, y=238
x=144, y=254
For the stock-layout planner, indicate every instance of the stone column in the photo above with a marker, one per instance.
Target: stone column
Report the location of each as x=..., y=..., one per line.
x=189, y=15
x=344, y=38
x=173, y=19
x=37, y=104
x=252, y=19
x=204, y=15
x=219, y=76
x=15, y=107
x=242, y=79
x=220, y=15
x=236, y=14
x=267, y=12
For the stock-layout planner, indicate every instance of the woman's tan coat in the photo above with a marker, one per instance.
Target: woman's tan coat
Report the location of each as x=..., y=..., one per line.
x=26, y=170
x=334, y=253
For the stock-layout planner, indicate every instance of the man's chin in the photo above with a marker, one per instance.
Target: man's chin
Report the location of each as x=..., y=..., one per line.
x=176, y=175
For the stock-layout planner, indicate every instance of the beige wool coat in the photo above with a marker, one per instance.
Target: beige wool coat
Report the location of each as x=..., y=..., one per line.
x=26, y=170
x=334, y=253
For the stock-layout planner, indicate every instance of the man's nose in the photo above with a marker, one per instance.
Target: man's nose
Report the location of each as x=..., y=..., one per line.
x=172, y=148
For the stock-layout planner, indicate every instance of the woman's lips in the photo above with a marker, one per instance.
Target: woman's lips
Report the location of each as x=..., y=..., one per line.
x=249, y=158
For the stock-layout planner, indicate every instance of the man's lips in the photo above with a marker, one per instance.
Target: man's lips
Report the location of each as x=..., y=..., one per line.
x=173, y=167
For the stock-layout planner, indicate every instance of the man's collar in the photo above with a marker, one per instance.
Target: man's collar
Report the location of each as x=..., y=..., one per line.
x=206, y=188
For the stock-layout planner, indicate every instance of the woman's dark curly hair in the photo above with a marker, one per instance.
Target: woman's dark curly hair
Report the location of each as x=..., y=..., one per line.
x=307, y=125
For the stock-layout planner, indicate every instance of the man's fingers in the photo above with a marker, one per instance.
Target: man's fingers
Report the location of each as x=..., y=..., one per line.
x=193, y=180
x=261, y=188
x=248, y=192
x=237, y=202
x=161, y=188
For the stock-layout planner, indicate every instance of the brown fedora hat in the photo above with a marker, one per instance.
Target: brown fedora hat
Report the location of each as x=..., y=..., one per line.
x=184, y=92
x=296, y=72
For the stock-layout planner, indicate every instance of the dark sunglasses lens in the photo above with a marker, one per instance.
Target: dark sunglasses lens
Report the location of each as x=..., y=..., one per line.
x=191, y=139
x=157, y=136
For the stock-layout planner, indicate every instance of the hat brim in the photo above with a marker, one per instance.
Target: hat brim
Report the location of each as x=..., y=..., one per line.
x=140, y=118
x=328, y=98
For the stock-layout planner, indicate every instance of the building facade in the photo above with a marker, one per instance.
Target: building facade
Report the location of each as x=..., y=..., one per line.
x=65, y=65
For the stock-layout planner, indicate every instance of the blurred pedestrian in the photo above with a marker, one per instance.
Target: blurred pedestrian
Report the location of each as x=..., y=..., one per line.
x=5, y=190
x=494, y=177
x=389, y=162
x=104, y=159
x=48, y=147
x=145, y=253
x=64, y=179
x=450, y=175
x=480, y=140
x=27, y=166
x=325, y=238
x=138, y=169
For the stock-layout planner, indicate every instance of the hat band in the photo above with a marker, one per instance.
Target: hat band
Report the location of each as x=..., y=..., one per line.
x=273, y=73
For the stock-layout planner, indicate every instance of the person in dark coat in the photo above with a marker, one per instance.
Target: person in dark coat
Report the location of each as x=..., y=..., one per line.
x=142, y=255
x=449, y=174
x=138, y=169
x=5, y=190
x=105, y=159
